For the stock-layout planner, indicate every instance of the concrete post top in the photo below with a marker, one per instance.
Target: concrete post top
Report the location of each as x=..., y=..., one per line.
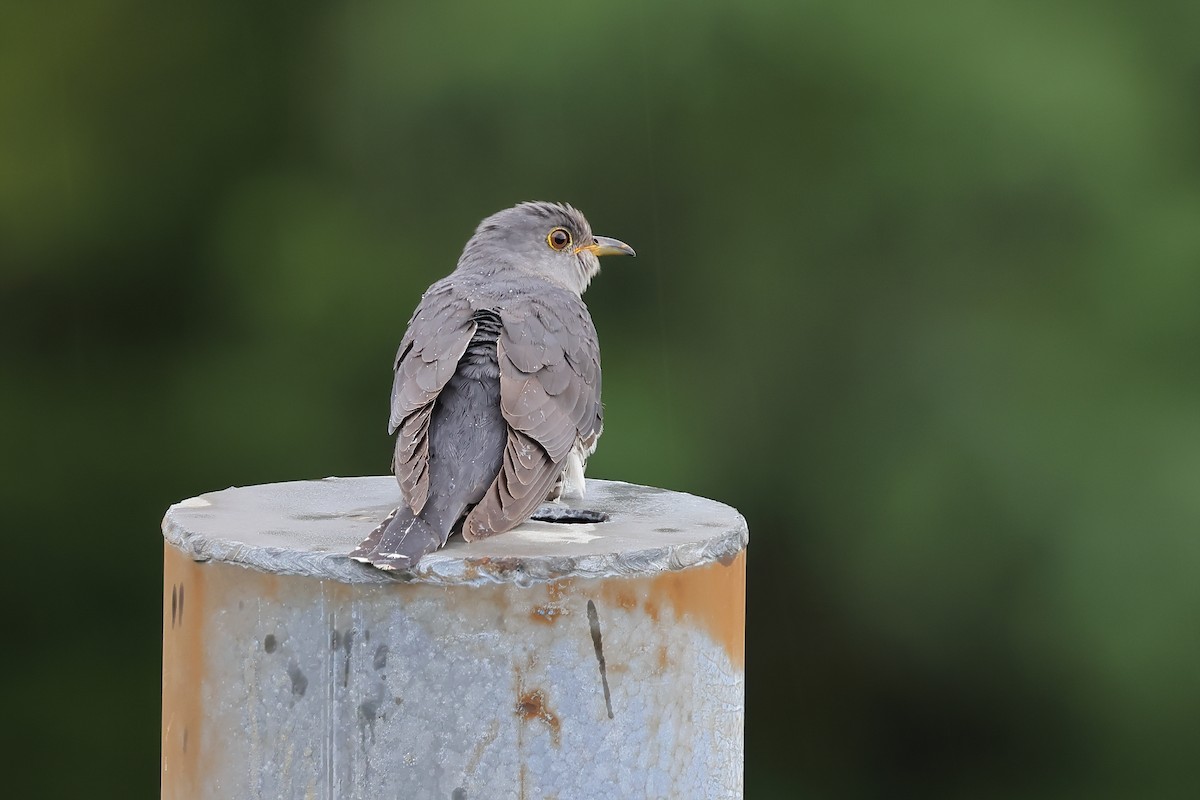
x=308, y=528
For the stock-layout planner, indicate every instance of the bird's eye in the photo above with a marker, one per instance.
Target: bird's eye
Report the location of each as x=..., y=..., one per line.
x=558, y=238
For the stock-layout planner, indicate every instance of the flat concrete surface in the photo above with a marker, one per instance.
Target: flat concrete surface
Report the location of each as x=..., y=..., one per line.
x=309, y=527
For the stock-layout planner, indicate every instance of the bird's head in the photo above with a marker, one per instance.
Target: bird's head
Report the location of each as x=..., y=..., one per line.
x=548, y=240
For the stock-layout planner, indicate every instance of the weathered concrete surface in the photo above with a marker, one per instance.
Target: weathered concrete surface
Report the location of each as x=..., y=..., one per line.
x=567, y=661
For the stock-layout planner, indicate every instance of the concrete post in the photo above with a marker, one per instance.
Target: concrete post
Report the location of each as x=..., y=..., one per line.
x=566, y=661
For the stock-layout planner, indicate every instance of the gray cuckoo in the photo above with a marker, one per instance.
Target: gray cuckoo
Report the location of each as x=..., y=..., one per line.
x=496, y=395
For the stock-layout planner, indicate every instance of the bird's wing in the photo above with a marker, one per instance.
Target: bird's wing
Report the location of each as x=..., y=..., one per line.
x=549, y=360
x=438, y=334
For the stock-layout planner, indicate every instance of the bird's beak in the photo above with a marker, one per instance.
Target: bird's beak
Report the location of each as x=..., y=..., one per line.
x=604, y=246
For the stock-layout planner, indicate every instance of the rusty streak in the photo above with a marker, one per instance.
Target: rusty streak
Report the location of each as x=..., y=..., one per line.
x=532, y=705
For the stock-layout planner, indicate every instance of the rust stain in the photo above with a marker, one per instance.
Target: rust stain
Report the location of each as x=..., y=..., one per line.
x=626, y=599
x=481, y=747
x=268, y=587
x=663, y=660
x=500, y=566
x=652, y=610
x=531, y=705
x=201, y=591
x=713, y=596
x=182, y=674
x=627, y=594
x=548, y=613
x=452, y=598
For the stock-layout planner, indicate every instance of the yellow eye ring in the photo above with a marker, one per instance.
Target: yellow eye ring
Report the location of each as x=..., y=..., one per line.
x=559, y=239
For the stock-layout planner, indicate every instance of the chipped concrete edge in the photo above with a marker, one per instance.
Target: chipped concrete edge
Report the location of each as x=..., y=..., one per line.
x=439, y=569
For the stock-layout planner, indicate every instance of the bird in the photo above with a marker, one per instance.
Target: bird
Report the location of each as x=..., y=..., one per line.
x=496, y=385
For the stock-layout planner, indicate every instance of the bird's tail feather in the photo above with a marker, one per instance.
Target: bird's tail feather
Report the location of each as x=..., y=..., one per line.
x=399, y=542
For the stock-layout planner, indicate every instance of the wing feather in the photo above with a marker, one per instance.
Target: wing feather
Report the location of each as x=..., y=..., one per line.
x=438, y=334
x=549, y=359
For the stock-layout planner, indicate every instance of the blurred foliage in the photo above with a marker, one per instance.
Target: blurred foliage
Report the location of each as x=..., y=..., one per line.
x=916, y=291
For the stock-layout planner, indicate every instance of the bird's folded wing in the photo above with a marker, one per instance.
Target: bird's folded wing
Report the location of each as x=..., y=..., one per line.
x=549, y=361
x=438, y=334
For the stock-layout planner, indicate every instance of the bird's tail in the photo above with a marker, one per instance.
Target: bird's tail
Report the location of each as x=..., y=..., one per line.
x=399, y=542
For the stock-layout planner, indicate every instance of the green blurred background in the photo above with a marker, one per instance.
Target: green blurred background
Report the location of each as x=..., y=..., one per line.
x=916, y=291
